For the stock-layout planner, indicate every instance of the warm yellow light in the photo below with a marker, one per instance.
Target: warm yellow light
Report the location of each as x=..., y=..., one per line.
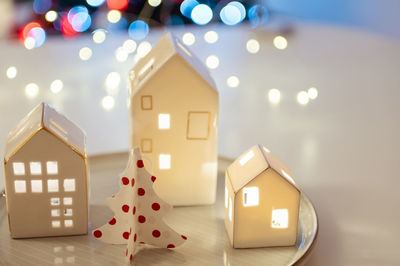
x=56, y=86
x=143, y=49
x=154, y=3
x=85, y=53
x=212, y=61
x=107, y=103
x=246, y=158
x=11, y=72
x=211, y=36
x=51, y=16
x=280, y=42
x=274, y=96
x=233, y=81
x=99, y=36
x=31, y=90
x=129, y=46
x=164, y=161
x=188, y=38
x=253, y=46
x=113, y=16
x=250, y=196
x=280, y=218
x=121, y=55
x=164, y=121
x=29, y=43
x=312, y=93
x=302, y=98
x=112, y=82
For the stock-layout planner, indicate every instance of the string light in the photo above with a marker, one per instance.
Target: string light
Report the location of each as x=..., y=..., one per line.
x=138, y=30
x=29, y=43
x=274, y=96
x=280, y=42
x=56, y=86
x=99, y=36
x=212, y=61
x=143, y=49
x=85, y=53
x=253, y=46
x=95, y=3
x=11, y=72
x=129, y=46
x=211, y=36
x=154, y=3
x=51, y=16
x=312, y=93
x=107, y=103
x=121, y=55
x=201, y=14
x=188, y=38
x=233, y=81
x=112, y=82
x=113, y=16
x=302, y=98
x=31, y=90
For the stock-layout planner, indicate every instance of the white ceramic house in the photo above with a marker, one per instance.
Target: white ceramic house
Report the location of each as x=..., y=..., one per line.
x=261, y=201
x=173, y=119
x=46, y=176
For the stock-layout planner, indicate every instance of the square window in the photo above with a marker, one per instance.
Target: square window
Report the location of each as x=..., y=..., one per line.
x=163, y=121
x=36, y=186
x=36, y=168
x=55, y=224
x=164, y=161
x=68, y=212
x=52, y=168
x=147, y=102
x=52, y=185
x=19, y=168
x=250, y=196
x=67, y=201
x=55, y=212
x=20, y=186
x=146, y=145
x=69, y=185
x=68, y=223
x=55, y=201
x=198, y=125
x=280, y=218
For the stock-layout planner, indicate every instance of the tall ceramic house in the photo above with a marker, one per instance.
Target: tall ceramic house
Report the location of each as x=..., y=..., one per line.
x=262, y=201
x=174, y=119
x=46, y=176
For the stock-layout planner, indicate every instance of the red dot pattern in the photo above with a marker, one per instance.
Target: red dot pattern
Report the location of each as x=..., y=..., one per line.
x=125, y=180
x=133, y=182
x=140, y=164
x=125, y=235
x=125, y=208
x=134, y=238
x=126, y=252
x=112, y=221
x=171, y=246
x=141, y=191
x=184, y=237
x=131, y=257
x=153, y=178
x=97, y=234
x=141, y=219
x=156, y=233
x=134, y=210
x=155, y=206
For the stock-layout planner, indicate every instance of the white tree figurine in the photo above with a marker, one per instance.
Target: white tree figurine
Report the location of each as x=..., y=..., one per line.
x=138, y=212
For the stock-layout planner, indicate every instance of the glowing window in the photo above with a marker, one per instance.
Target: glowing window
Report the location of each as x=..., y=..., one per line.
x=146, y=145
x=19, y=168
x=230, y=209
x=20, y=186
x=68, y=212
x=67, y=201
x=250, y=196
x=198, y=125
x=52, y=185
x=69, y=185
x=164, y=161
x=52, y=168
x=36, y=186
x=68, y=223
x=246, y=157
x=36, y=168
x=147, y=102
x=55, y=224
x=226, y=197
x=280, y=218
x=55, y=201
x=55, y=212
x=163, y=121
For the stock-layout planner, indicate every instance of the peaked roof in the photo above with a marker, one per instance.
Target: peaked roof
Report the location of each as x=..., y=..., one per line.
x=167, y=47
x=45, y=116
x=254, y=161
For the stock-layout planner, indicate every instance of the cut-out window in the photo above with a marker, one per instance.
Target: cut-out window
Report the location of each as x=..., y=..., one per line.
x=147, y=102
x=280, y=218
x=230, y=210
x=67, y=201
x=55, y=201
x=198, y=125
x=55, y=212
x=246, y=158
x=36, y=186
x=164, y=121
x=19, y=168
x=20, y=186
x=52, y=185
x=36, y=168
x=52, y=168
x=250, y=196
x=69, y=185
x=68, y=212
x=226, y=197
x=146, y=145
x=55, y=224
x=164, y=161
x=68, y=223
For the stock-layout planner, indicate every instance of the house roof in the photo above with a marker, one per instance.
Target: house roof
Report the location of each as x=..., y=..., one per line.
x=253, y=162
x=166, y=48
x=44, y=116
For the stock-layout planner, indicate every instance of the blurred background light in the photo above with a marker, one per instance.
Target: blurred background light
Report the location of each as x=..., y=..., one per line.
x=129, y=46
x=302, y=98
x=230, y=15
x=112, y=82
x=258, y=15
x=154, y=3
x=187, y=6
x=280, y=42
x=212, y=61
x=117, y=4
x=201, y=14
x=211, y=36
x=188, y=38
x=253, y=46
x=113, y=16
x=39, y=36
x=233, y=81
x=31, y=90
x=120, y=54
x=95, y=3
x=51, y=16
x=85, y=53
x=241, y=9
x=11, y=72
x=29, y=43
x=56, y=86
x=79, y=18
x=138, y=30
x=143, y=49
x=274, y=96
x=107, y=103
x=312, y=93
x=41, y=6
x=99, y=35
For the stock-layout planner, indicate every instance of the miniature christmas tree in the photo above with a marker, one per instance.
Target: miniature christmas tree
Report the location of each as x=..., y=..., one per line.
x=138, y=212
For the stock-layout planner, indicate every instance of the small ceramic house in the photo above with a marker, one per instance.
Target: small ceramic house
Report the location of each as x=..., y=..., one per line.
x=261, y=201
x=46, y=176
x=173, y=119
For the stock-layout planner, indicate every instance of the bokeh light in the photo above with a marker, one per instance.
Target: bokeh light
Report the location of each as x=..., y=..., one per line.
x=211, y=36
x=280, y=42
x=302, y=98
x=188, y=38
x=107, y=103
x=113, y=16
x=99, y=35
x=201, y=14
x=241, y=9
x=253, y=46
x=112, y=82
x=138, y=30
x=41, y=6
x=56, y=86
x=274, y=96
x=121, y=55
x=230, y=15
x=79, y=18
x=51, y=16
x=31, y=90
x=27, y=28
x=85, y=53
x=66, y=28
x=233, y=81
x=117, y=4
x=129, y=46
x=95, y=3
x=11, y=72
x=187, y=6
x=212, y=61
x=312, y=93
x=29, y=43
x=39, y=36
x=258, y=15
x=154, y=3
x=143, y=49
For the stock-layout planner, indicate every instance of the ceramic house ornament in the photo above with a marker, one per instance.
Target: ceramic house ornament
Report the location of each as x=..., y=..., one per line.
x=261, y=201
x=173, y=119
x=46, y=176
x=138, y=212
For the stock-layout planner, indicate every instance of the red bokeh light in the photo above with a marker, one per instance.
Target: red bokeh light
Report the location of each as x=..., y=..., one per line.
x=117, y=4
x=27, y=28
x=67, y=29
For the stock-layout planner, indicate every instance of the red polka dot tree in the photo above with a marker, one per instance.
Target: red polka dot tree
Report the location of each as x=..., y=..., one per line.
x=138, y=212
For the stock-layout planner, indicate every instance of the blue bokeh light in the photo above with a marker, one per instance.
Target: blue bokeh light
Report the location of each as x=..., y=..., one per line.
x=95, y=3
x=122, y=24
x=41, y=6
x=187, y=7
x=138, y=30
x=241, y=9
x=39, y=35
x=258, y=15
x=230, y=15
x=201, y=14
x=79, y=18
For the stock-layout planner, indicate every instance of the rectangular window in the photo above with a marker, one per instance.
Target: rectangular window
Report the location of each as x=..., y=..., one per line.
x=36, y=168
x=280, y=218
x=69, y=185
x=67, y=201
x=198, y=125
x=52, y=185
x=164, y=161
x=68, y=223
x=147, y=102
x=68, y=212
x=20, y=186
x=163, y=121
x=146, y=145
x=55, y=224
x=52, y=168
x=55, y=212
x=250, y=196
x=55, y=201
x=19, y=168
x=36, y=186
